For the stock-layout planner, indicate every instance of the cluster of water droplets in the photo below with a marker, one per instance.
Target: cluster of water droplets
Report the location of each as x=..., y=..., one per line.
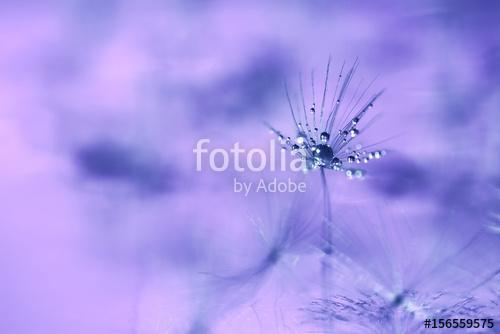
x=321, y=150
x=318, y=144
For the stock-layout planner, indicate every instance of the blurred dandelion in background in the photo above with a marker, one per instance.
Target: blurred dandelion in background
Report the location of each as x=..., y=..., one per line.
x=281, y=236
x=395, y=288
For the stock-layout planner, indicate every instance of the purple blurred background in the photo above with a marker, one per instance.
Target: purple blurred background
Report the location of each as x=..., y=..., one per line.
x=106, y=227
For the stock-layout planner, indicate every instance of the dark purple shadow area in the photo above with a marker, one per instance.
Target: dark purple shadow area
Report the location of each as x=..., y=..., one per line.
x=110, y=161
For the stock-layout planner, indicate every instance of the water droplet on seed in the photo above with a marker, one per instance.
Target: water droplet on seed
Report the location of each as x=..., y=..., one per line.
x=323, y=154
x=324, y=136
x=358, y=173
x=336, y=162
x=300, y=140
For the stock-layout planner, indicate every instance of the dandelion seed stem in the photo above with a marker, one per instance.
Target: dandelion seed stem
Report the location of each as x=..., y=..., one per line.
x=327, y=211
x=327, y=260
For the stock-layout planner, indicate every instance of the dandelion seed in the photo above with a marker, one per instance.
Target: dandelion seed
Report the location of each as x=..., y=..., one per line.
x=322, y=146
x=281, y=237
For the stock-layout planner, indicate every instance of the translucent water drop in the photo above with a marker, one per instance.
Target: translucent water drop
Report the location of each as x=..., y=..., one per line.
x=354, y=132
x=355, y=120
x=300, y=140
x=351, y=159
x=336, y=162
x=366, y=160
x=348, y=173
x=358, y=173
x=324, y=137
x=377, y=155
x=295, y=148
x=323, y=154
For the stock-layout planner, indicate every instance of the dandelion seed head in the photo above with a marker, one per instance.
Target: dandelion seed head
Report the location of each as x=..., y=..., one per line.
x=326, y=134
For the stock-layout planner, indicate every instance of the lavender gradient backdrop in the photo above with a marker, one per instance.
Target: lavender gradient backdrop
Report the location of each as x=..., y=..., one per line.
x=106, y=227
